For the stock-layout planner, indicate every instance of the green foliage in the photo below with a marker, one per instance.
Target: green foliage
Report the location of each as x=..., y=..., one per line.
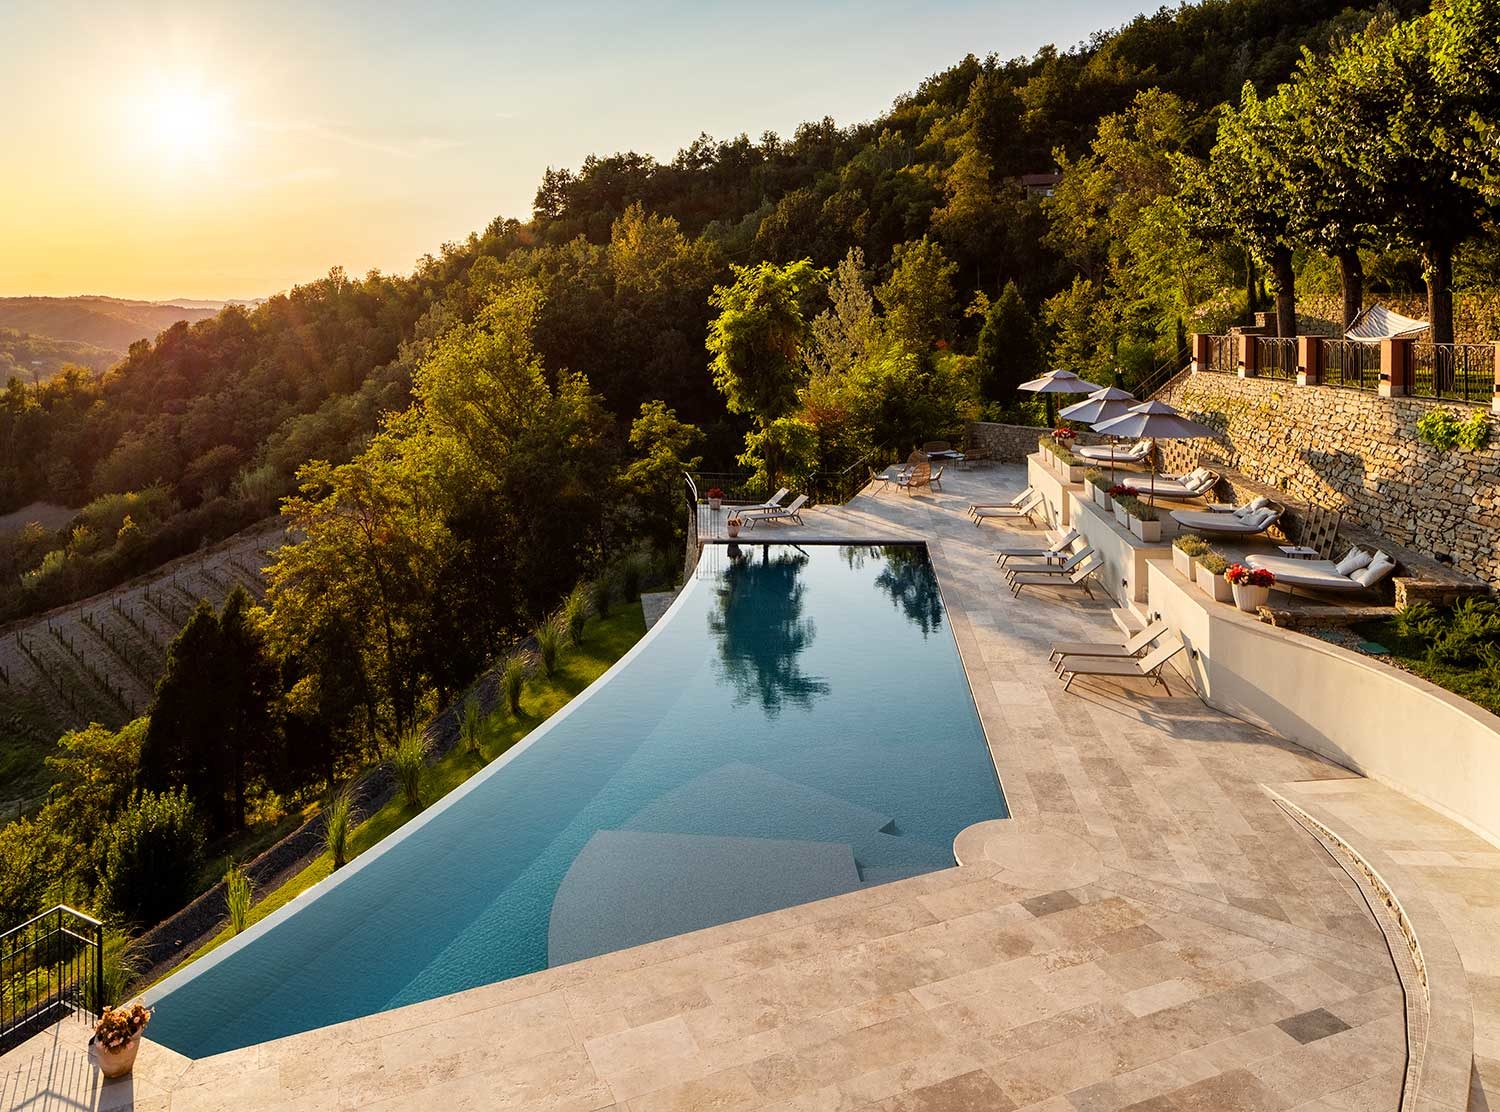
x=1415, y=620
x=602, y=593
x=1137, y=508
x=1445, y=429
x=1009, y=349
x=408, y=763
x=575, y=613
x=25, y=869
x=514, y=672
x=550, y=635
x=919, y=298
x=781, y=453
x=471, y=725
x=1190, y=543
x=757, y=339
x=123, y=963
x=237, y=897
x=633, y=570
x=152, y=852
x=653, y=481
x=338, y=821
x=1213, y=563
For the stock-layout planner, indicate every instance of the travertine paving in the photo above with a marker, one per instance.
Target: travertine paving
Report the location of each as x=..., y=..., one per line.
x=1150, y=931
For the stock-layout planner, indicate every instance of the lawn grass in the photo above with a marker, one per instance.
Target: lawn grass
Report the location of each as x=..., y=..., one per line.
x=1410, y=653
x=27, y=737
x=605, y=641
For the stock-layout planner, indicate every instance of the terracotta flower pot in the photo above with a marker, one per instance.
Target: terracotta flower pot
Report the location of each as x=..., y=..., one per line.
x=116, y=1063
x=734, y=528
x=1249, y=598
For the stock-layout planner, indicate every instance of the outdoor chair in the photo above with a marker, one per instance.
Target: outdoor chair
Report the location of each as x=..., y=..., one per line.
x=1253, y=517
x=1046, y=567
x=1148, y=667
x=981, y=514
x=1079, y=578
x=1195, y=484
x=935, y=480
x=1114, y=453
x=1131, y=646
x=918, y=474
x=1357, y=571
x=1062, y=544
x=771, y=503
x=975, y=507
x=790, y=512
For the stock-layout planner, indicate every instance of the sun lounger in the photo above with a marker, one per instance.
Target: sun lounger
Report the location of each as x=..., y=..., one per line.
x=1131, y=646
x=1357, y=571
x=983, y=513
x=771, y=503
x=1046, y=567
x=1147, y=667
x=1195, y=484
x=791, y=512
x=1061, y=544
x=1253, y=517
x=1115, y=453
x=1079, y=578
x=1012, y=503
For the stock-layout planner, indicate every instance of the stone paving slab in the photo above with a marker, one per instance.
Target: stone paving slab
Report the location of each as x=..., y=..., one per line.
x=1150, y=931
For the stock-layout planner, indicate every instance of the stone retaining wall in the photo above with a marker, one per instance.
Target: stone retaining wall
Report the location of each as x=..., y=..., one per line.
x=1351, y=451
x=1476, y=314
x=1013, y=443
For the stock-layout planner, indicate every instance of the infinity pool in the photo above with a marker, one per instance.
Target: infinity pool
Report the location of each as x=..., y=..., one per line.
x=798, y=726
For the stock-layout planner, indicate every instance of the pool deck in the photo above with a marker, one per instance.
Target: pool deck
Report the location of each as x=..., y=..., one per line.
x=1152, y=930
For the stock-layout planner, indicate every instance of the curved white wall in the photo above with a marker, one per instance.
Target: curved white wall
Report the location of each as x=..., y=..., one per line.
x=1370, y=717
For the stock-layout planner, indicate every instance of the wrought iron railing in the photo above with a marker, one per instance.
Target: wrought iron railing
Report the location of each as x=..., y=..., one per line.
x=50, y=967
x=1275, y=357
x=1452, y=372
x=1351, y=363
x=1223, y=355
x=822, y=487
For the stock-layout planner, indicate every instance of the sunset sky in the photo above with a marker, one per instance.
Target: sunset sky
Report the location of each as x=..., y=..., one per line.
x=218, y=150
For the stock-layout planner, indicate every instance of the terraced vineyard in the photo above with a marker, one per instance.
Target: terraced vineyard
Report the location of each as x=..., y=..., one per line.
x=99, y=660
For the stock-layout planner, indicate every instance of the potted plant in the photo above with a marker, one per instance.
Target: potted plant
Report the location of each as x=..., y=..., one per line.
x=117, y=1038
x=1098, y=485
x=1185, y=548
x=1251, y=586
x=715, y=499
x=733, y=525
x=1118, y=493
x=1210, y=577
x=1142, y=519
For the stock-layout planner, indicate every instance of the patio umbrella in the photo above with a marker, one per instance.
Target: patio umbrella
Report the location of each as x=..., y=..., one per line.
x=1100, y=406
x=1158, y=421
x=1058, y=382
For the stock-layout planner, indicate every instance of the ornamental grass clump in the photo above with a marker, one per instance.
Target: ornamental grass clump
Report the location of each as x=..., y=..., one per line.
x=471, y=726
x=513, y=675
x=602, y=594
x=1191, y=544
x=338, y=821
x=549, y=641
x=237, y=895
x=1213, y=563
x=634, y=570
x=575, y=613
x=1136, y=508
x=408, y=763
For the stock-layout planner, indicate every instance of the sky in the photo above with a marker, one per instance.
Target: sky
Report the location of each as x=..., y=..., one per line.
x=231, y=150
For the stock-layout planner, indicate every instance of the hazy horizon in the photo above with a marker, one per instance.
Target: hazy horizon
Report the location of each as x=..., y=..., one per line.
x=207, y=153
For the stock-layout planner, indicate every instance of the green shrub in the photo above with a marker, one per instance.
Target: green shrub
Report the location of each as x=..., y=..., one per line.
x=1445, y=429
x=549, y=638
x=1213, y=563
x=471, y=725
x=338, y=821
x=153, y=850
x=409, y=762
x=1137, y=508
x=237, y=898
x=123, y=961
x=1415, y=620
x=513, y=676
x=1190, y=543
x=602, y=594
x=575, y=613
x=634, y=569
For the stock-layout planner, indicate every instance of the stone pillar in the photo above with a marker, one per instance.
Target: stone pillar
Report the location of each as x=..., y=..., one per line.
x=1309, y=361
x=1395, y=368
x=1198, y=345
x=1248, y=354
x=1495, y=401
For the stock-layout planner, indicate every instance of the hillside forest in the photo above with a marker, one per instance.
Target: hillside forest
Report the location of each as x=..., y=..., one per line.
x=456, y=449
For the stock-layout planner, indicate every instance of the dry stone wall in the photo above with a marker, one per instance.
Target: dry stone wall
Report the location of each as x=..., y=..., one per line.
x=1013, y=443
x=1476, y=313
x=1352, y=451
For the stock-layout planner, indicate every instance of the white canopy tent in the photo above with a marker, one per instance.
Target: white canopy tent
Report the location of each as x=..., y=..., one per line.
x=1379, y=323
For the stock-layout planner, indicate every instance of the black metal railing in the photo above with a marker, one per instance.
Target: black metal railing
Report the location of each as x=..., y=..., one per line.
x=1452, y=372
x=1276, y=357
x=50, y=967
x=824, y=488
x=1223, y=355
x=1351, y=363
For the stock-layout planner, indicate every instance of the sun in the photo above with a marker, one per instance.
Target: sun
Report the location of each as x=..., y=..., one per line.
x=185, y=122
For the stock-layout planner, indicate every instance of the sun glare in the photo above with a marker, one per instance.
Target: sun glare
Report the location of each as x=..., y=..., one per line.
x=184, y=122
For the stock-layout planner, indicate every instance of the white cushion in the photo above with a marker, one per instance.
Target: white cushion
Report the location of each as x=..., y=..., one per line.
x=1356, y=559
x=1261, y=518
x=1259, y=503
x=1378, y=570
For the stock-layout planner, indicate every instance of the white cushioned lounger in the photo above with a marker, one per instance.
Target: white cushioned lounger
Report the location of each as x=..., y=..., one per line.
x=1256, y=521
x=1315, y=575
x=1106, y=453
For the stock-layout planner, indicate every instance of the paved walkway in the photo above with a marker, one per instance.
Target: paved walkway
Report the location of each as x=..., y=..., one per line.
x=1151, y=931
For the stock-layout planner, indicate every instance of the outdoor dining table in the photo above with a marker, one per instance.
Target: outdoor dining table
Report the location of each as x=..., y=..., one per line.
x=947, y=454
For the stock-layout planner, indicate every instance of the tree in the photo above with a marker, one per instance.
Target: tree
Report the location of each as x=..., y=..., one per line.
x=152, y=852
x=757, y=339
x=918, y=300
x=1009, y=350
x=213, y=727
x=843, y=332
x=653, y=480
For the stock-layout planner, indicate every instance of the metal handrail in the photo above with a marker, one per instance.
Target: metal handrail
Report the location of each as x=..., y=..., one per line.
x=1452, y=372
x=50, y=964
x=1351, y=363
x=1275, y=357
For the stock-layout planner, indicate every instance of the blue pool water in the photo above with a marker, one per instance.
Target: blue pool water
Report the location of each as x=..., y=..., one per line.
x=799, y=726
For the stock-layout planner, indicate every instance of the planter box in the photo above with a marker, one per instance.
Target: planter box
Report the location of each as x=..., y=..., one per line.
x=1214, y=586
x=1121, y=517
x=1183, y=564
x=1145, y=530
x=1076, y=472
x=1250, y=599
